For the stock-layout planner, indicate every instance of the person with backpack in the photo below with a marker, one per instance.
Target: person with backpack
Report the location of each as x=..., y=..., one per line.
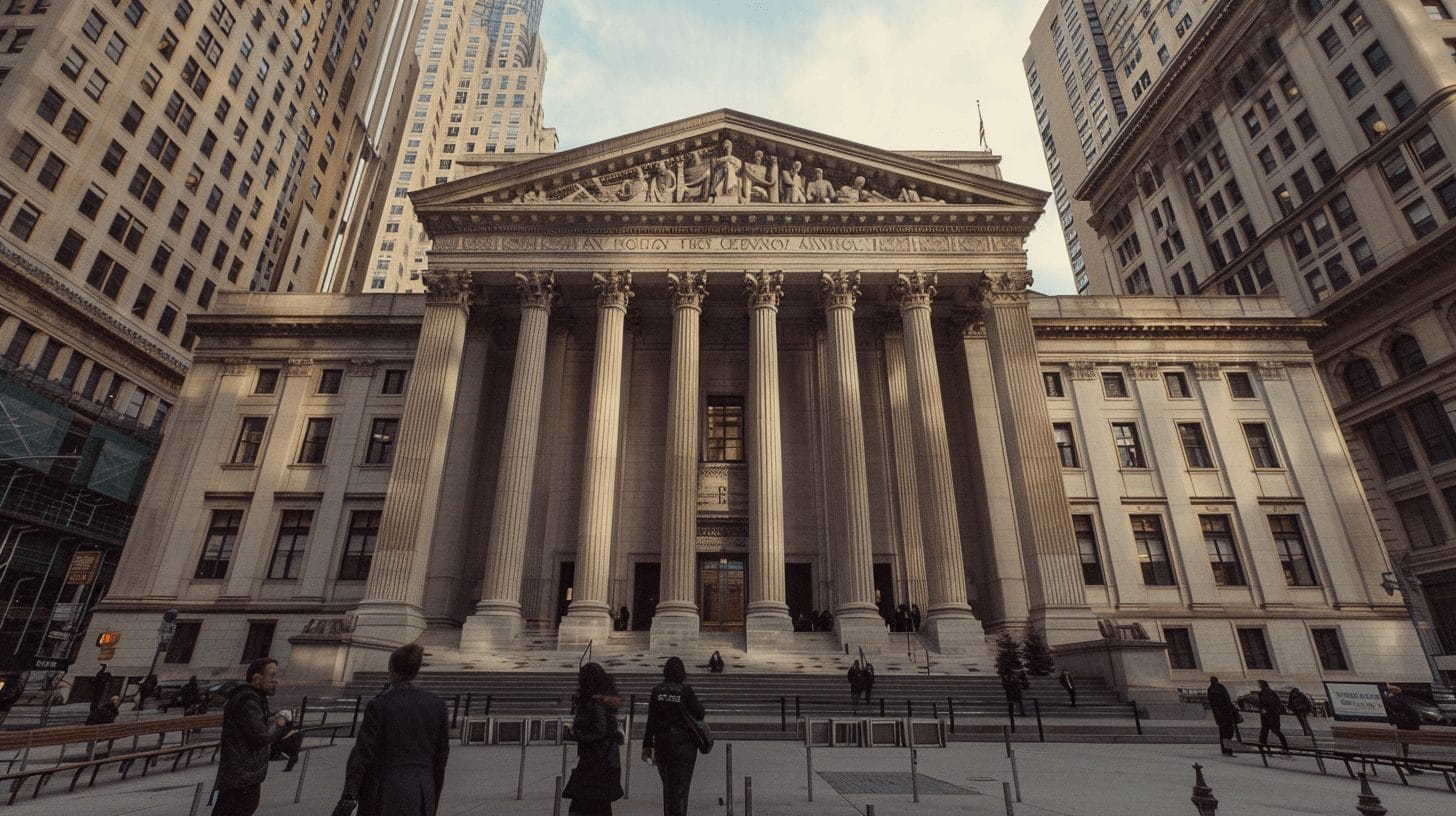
x=1301, y=707
x=669, y=741
x=1270, y=711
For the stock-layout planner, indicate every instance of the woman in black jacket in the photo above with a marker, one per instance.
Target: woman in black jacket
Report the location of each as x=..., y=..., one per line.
x=597, y=780
x=671, y=702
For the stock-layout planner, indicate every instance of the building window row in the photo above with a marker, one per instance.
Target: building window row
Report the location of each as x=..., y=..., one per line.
x=295, y=526
x=1225, y=562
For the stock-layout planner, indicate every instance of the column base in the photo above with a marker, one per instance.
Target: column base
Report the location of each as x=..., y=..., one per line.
x=1066, y=624
x=490, y=627
x=586, y=622
x=674, y=630
x=860, y=626
x=767, y=627
x=955, y=631
x=387, y=624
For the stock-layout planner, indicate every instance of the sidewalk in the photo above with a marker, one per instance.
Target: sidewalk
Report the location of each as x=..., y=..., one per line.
x=1062, y=779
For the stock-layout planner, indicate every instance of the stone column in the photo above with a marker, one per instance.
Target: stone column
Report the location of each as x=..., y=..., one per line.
x=590, y=615
x=676, y=623
x=497, y=618
x=907, y=497
x=856, y=618
x=390, y=613
x=948, y=620
x=1054, y=567
x=768, y=611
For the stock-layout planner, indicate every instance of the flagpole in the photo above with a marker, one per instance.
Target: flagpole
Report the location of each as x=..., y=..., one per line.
x=981, y=120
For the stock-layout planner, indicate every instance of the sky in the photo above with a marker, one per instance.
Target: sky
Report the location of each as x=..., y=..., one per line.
x=895, y=74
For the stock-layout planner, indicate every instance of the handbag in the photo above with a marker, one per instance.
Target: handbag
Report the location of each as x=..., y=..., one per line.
x=702, y=735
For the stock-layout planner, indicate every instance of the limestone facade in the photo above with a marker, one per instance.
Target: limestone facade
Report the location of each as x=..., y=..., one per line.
x=733, y=405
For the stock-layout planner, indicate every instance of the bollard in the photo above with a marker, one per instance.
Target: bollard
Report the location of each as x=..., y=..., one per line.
x=455, y=711
x=467, y=705
x=909, y=710
x=556, y=803
x=1369, y=803
x=521, y=774
x=1006, y=794
x=489, y=698
x=882, y=706
x=783, y=714
x=1040, y=732
x=950, y=707
x=1006, y=735
x=747, y=796
x=796, y=707
x=934, y=711
x=729, y=769
x=1202, y=794
x=809, y=767
x=563, y=759
x=302, y=774
x=196, y=801
x=627, y=785
x=1015, y=777
x=914, y=776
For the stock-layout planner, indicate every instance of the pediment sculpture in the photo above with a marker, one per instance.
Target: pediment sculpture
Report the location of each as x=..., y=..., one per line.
x=717, y=174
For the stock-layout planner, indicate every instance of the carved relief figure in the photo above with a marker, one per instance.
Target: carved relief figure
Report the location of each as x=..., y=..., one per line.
x=757, y=179
x=792, y=183
x=725, y=178
x=663, y=185
x=819, y=191
x=633, y=190
x=857, y=192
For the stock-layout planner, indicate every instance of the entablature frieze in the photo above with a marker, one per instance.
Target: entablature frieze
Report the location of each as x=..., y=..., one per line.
x=693, y=241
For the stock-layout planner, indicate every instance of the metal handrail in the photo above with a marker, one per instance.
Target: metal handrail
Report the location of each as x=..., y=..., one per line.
x=585, y=654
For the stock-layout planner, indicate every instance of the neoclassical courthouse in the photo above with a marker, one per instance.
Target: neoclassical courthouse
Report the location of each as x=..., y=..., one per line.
x=725, y=372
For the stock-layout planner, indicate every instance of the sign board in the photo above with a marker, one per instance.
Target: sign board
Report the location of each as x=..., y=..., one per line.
x=84, y=565
x=108, y=639
x=1361, y=702
x=65, y=611
x=49, y=663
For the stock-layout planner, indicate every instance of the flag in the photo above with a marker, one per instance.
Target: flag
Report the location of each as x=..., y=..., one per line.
x=982, y=121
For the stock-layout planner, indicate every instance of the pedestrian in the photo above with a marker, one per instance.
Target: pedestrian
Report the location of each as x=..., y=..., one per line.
x=186, y=697
x=1224, y=713
x=668, y=742
x=1070, y=685
x=1270, y=710
x=915, y=617
x=715, y=663
x=1404, y=717
x=867, y=680
x=596, y=782
x=11, y=688
x=397, y=765
x=248, y=732
x=101, y=687
x=856, y=683
x=105, y=714
x=1301, y=707
x=1011, y=684
x=147, y=688
x=624, y=618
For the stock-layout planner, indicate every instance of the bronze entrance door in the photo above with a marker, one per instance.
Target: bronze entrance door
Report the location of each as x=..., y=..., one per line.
x=722, y=590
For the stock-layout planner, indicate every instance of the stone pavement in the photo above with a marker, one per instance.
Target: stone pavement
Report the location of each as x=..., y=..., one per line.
x=1064, y=779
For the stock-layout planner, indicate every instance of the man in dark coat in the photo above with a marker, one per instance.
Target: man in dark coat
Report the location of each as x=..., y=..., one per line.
x=1011, y=684
x=1270, y=711
x=1404, y=717
x=247, y=741
x=856, y=682
x=101, y=687
x=867, y=680
x=667, y=742
x=1301, y=707
x=1221, y=703
x=1069, y=684
x=397, y=767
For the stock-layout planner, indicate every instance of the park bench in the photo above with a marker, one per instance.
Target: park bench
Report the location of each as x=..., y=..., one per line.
x=1352, y=743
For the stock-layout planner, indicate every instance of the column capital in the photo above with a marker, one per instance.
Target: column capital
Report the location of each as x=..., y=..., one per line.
x=537, y=288
x=360, y=367
x=1269, y=370
x=1009, y=287
x=1205, y=371
x=687, y=289
x=453, y=287
x=763, y=289
x=1082, y=369
x=1144, y=370
x=840, y=289
x=235, y=365
x=971, y=321
x=298, y=367
x=915, y=289
x=614, y=289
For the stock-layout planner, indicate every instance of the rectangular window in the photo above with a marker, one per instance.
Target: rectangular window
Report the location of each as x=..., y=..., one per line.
x=1129, y=448
x=1418, y=215
x=1152, y=548
x=1331, y=652
x=1261, y=446
x=1240, y=385
x=259, y=641
x=267, y=381
x=1351, y=82
x=1180, y=647
x=330, y=379
x=1389, y=444
x=1293, y=554
x=359, y=546
x=1396, y=171
x=184, y=639
x=27, y=147
x=1422, y=525
x=250, y=440
x=315, y=441
x=724, y=430
x=1066, y=444
x=287, y=560
x=1433, y=429
x=1087, y=547
x=394, y=380
x=1113, y=385
x=382, y=435
x=1195, y=446
x=1052, y=381
x=1223, y=558
x=217, y=550
x=1255, y=649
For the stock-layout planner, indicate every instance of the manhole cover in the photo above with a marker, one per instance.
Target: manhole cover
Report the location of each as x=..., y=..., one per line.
x=846, y=782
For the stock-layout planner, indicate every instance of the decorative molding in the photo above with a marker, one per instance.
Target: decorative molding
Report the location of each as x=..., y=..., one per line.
x=1206, y=371
x=298, y=367
x=537, y=288
x=915, y=289
x=457, y=288
x=687, y=289
x=1269, y=370
x=614, y=289
x=1082, y=369
x=234, y=366
x=1009, y=287
x=360, y=367
x=840, y=289
x=1144, y=370
x=763, y=289
x=474, y=228
x=971, y=321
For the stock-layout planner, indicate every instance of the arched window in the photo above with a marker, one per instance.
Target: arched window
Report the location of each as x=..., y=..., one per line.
x=1407, y=353
x=1360, y=377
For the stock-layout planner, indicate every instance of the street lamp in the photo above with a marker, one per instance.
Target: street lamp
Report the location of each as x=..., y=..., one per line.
x=1409, y=585
x=164, y=638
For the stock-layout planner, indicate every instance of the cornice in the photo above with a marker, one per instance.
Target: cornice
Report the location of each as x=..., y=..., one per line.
x=1062, y=328
x=250, y=325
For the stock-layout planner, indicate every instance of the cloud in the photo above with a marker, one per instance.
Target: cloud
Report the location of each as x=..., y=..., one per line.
x=899, y=75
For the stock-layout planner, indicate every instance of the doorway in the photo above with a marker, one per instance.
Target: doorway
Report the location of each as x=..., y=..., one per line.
x=722, y=590
x=564, y=588
x=885, y=589
x=799, y=589
x=646, y=591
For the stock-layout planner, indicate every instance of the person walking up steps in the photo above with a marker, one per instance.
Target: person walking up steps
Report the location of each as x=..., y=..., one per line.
x=596, y=782
x=1270, y=710
x=1301, y=707
x=1221, y=703
x=667, y=741
x=248, y=731
x=1070, y=685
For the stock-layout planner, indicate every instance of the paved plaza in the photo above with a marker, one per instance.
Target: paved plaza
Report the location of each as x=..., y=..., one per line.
x=1070, y=779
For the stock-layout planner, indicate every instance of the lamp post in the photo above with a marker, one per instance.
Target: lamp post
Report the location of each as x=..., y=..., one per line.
x=1400, y=578
x=164, y=638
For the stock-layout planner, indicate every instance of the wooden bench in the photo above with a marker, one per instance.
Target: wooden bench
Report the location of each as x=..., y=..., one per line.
x=1351, y=739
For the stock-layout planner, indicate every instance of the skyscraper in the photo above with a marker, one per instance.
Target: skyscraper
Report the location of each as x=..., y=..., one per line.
x=157, y=153
x=479, y=95
x=1303, y=149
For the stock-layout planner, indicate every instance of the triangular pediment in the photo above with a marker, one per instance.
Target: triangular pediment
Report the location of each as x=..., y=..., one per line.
x=731, y=159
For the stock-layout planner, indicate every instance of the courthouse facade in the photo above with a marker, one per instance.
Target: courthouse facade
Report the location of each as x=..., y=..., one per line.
x=725, y=372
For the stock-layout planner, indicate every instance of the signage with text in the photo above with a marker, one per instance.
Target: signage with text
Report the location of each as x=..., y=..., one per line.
x=1362, y=702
